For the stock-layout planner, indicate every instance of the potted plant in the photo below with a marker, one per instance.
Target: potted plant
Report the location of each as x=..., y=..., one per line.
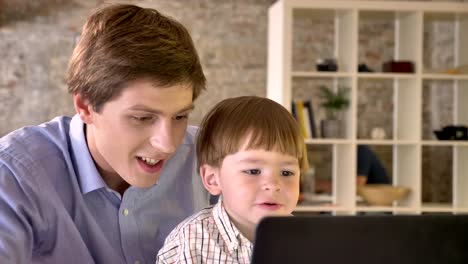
x=334, y=102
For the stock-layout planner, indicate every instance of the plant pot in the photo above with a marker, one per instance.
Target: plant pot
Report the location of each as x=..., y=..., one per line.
x=331, y=128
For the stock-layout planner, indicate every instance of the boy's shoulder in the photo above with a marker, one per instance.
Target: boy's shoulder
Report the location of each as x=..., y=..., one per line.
x=202, y=218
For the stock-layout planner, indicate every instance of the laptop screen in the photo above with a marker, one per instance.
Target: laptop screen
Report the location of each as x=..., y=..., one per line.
x=383, y=239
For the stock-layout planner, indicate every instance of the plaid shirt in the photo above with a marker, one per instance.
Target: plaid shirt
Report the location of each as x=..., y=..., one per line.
x=206, y=237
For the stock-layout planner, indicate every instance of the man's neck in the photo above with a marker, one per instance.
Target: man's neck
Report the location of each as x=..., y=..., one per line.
x=112, y=179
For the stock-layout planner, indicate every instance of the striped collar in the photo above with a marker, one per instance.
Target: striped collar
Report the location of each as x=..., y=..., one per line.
x=232, y=237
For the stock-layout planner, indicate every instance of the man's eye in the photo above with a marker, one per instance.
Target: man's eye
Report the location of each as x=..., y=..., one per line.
x=181, y=117
x=287, y=173
x=142, y=118
x=252, y=172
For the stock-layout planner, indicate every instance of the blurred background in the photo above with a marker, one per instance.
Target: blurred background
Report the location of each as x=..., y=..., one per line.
x=37, y=38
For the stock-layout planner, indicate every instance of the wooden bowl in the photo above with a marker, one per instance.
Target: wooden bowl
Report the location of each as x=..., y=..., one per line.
x=381, y=194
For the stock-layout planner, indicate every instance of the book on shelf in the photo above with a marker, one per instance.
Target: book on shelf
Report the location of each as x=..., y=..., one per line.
x=303, y=113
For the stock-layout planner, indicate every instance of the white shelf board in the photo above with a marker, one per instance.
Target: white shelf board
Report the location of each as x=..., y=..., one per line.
x=395, y=209
x=386, y=142
x=321, y=208
x=452, y=143
x=442, y=76
x=324, y=74
x=386, y=75
x=327, y=141
x=436, y=207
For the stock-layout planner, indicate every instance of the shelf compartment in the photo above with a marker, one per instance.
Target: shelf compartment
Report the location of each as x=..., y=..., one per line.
x=370, y=168
x=460, y=102
x=405, y=173
x=408, y=105
x=445, y=42
x=320, y=158
x=437, y=180
x=373, y=114
x=308, y=89
x=389, y=35
x=336, y=29
x=460, y=178
x=438, y=107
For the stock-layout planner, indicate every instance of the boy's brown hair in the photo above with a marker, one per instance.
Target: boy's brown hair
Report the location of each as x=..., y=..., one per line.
x=121, y=43
x=265, y=123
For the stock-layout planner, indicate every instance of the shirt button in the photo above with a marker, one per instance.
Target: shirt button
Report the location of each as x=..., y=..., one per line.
x=125, y=212
x=136, y=262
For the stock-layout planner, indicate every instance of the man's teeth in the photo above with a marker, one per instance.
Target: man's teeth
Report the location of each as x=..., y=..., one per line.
x=149, y=161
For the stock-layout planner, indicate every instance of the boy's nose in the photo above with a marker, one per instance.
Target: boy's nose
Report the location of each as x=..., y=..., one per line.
x=271, y=184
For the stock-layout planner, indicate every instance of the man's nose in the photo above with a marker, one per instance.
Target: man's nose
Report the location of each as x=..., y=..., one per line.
x=163, y=138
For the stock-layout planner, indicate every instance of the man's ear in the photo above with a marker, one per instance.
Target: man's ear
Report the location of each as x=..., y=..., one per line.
x=210, y=179
x=83, y=109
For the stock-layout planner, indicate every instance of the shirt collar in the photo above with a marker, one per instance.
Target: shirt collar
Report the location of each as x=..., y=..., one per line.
x=87, y=173
x=229, y=232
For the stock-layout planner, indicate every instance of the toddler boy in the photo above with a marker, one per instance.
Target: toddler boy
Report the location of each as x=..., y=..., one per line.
x=250, y=152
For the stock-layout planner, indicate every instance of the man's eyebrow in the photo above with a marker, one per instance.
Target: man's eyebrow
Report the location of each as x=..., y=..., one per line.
x=156, y=111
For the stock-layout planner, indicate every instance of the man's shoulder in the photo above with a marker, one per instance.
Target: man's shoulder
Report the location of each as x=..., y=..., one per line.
x=190, y=135
x=30, y=145
x=54, y=130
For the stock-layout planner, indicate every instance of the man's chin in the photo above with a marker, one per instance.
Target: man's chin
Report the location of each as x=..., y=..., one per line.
x=146, y=183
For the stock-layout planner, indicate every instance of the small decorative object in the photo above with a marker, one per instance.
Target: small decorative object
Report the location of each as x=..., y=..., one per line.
x=378, y=133
x=382, y=194
x=328, y=64
x=333, y=102
x=362, y=67
x=398, y=66
x=452, y=133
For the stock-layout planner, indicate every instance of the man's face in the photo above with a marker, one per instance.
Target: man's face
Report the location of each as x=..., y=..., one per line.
x=136, y=133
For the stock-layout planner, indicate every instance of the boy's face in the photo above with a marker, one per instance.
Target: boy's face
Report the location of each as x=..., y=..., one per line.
x=136, y=133
x=258, y=183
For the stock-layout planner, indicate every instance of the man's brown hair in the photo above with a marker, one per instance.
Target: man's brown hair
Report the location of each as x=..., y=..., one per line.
x=263, y=122
x=122, y=43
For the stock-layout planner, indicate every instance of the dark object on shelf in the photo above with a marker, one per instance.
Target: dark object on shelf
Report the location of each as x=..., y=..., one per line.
x=398, y=66
x=362, y=67
x=326, y=65
x=452, y=133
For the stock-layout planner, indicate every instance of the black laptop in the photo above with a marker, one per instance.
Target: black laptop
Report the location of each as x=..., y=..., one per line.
x=362, y=239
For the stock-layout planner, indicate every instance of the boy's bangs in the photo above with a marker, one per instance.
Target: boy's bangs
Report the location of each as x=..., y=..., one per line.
x=276, y=138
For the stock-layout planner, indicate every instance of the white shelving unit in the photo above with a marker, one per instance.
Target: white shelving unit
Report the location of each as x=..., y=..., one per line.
x=409, y=20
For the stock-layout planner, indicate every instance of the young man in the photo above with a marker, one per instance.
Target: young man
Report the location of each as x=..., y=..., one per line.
x=109, y=184
x=251, y=152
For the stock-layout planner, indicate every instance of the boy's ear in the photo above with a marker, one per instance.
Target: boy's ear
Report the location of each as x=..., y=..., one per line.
x=210, y=179
x=83, y=109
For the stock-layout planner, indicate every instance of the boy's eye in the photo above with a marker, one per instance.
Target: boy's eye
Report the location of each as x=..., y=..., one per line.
x=252, y=172
x=287, y=173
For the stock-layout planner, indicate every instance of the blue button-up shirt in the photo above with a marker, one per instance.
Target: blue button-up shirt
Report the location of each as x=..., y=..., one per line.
x=55, y=207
